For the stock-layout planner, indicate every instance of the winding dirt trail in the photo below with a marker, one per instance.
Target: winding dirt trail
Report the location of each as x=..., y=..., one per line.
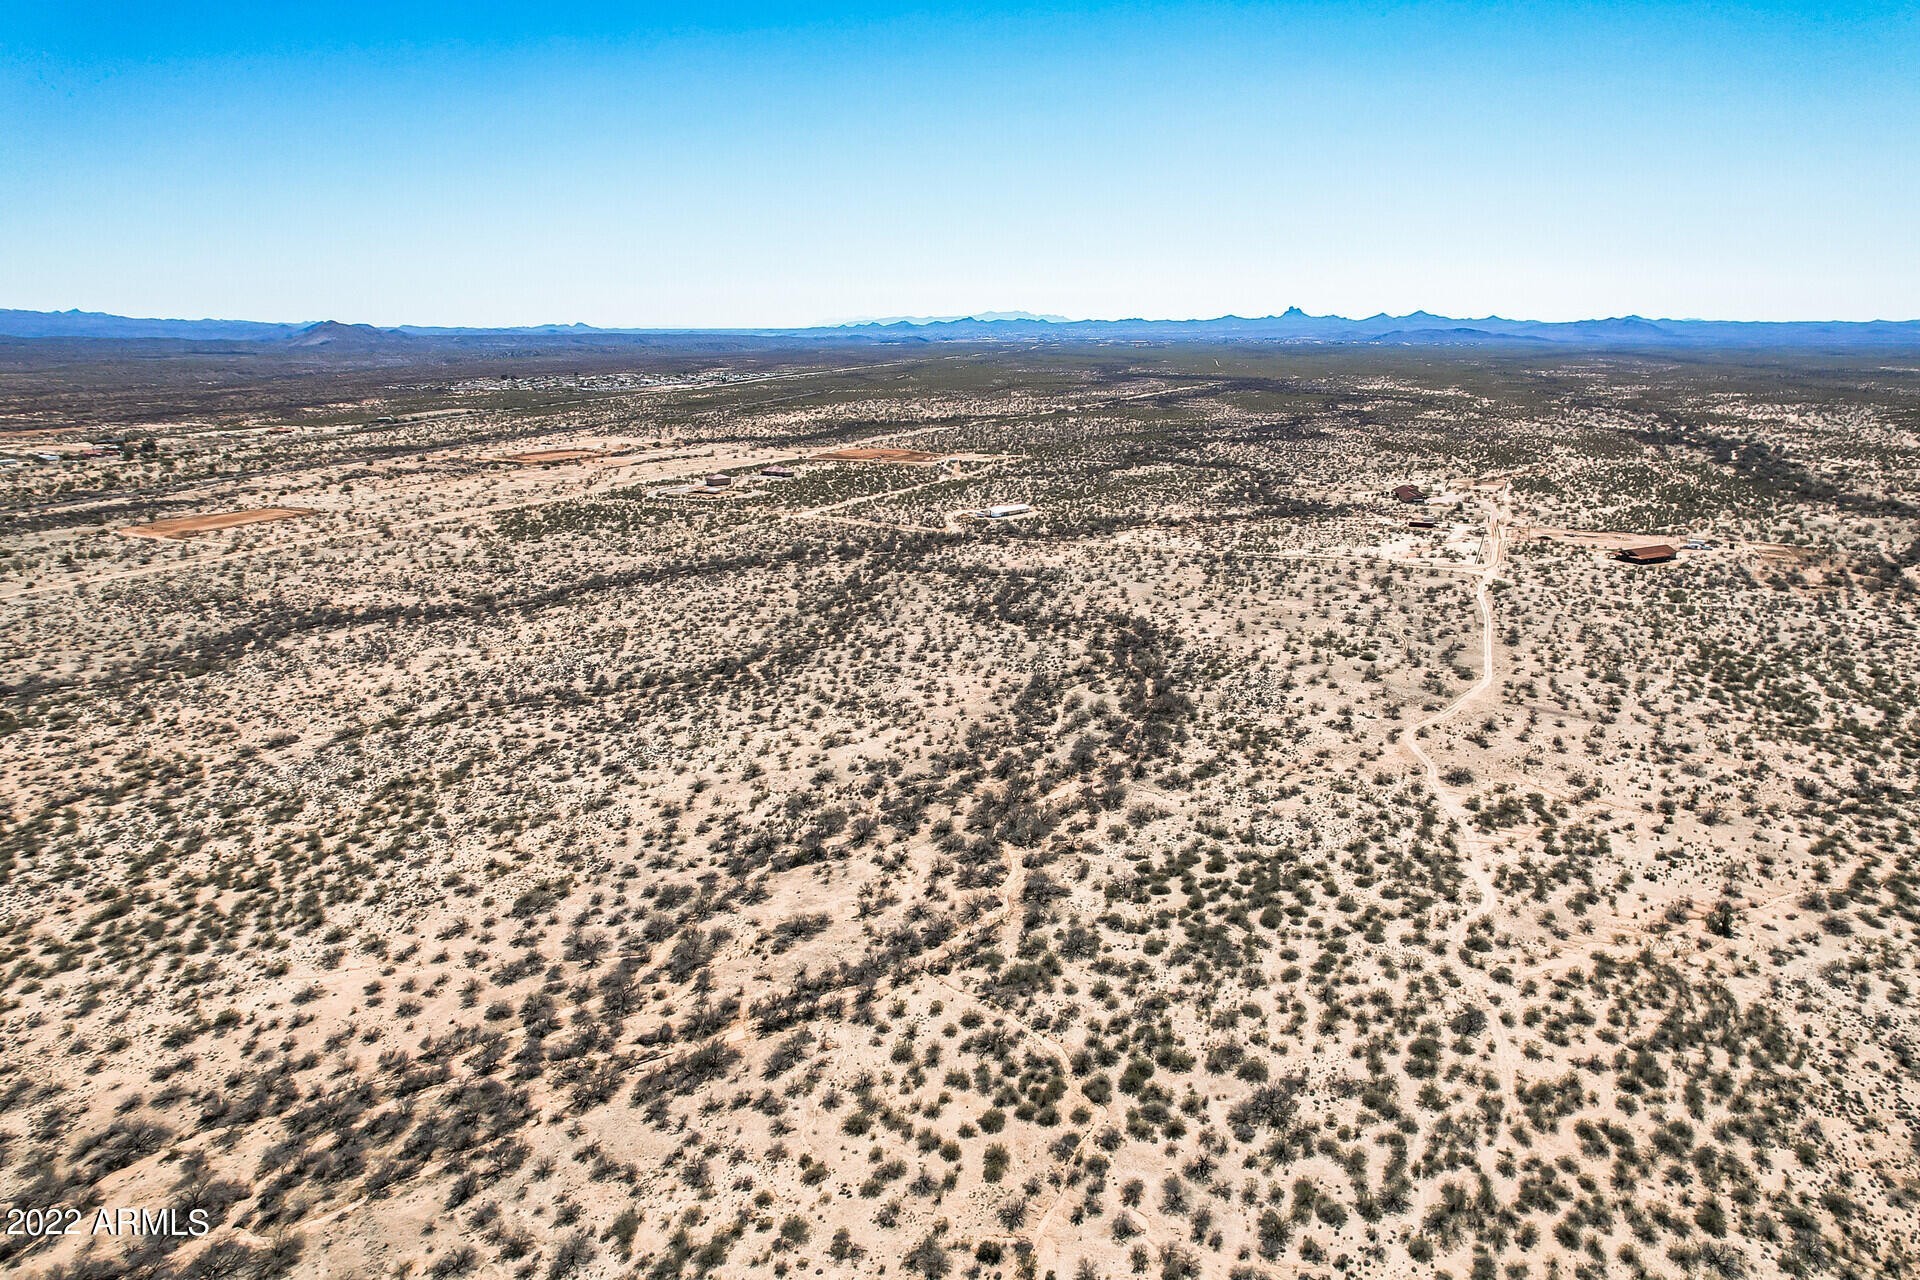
x=1477, y=848
x=1410, y=739
x=1450, y=797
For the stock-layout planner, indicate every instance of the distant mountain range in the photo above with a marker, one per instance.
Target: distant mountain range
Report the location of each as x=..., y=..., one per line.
x=984, y=316
x=1426, y=329
x=1293, y=325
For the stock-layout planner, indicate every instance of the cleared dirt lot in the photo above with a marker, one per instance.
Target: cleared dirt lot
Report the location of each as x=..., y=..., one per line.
x=187, y=526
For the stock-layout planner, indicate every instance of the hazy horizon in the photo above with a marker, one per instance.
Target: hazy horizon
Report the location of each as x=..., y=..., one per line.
x=983, y=316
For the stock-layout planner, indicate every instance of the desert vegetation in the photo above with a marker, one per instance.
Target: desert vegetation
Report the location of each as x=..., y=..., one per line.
x=502, y=870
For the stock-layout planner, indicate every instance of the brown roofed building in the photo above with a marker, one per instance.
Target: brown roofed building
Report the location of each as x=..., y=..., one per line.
x=1657, y=553
x=1410, y=493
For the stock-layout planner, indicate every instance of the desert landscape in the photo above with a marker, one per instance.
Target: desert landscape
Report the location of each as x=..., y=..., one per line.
x=972, y=809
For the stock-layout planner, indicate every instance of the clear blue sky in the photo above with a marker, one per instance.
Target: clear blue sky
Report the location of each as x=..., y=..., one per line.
x=795, y=163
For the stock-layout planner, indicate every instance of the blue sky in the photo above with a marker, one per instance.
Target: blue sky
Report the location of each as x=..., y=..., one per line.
x=800, y=163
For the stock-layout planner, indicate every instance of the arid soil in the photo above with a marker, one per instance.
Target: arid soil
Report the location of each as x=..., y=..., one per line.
x=187, y=526
x=502, y=870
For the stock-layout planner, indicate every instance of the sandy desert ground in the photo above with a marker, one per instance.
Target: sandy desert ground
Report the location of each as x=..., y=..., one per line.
x=499, y=867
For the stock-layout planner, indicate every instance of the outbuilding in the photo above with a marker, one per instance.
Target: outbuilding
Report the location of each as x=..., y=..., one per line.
x=1654, y=553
